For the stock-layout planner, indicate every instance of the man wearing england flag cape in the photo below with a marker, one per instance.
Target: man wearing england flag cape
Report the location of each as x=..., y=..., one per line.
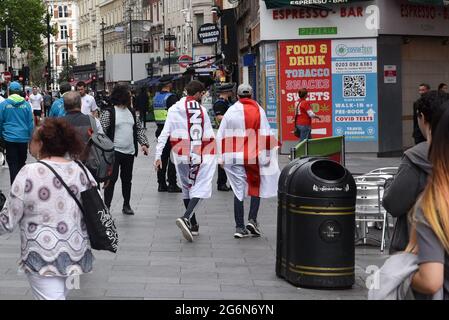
x=248, y=152
x=189, y=130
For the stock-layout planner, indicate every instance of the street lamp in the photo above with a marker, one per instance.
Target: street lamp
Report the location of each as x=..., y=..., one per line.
x=129, y=11
x=67, y=56
x=48, y=51
x=169, y=37
x=217, y=11
x=103, y=24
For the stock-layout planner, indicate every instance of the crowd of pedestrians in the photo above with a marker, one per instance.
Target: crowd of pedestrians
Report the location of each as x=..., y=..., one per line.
x=60, y=134
x=188, y=149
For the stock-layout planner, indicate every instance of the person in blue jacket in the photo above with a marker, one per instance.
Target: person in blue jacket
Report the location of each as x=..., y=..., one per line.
x=57, y=108
x=16, y=128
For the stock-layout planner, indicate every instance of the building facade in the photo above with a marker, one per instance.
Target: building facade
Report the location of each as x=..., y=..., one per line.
x=362, y=62
x=89, y=20
x=64, y=17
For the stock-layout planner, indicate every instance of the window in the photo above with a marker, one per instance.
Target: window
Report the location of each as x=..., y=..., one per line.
x=64, y=56
x=63, y=11
x=64, y=34
x=199, y=22
x=50, y=11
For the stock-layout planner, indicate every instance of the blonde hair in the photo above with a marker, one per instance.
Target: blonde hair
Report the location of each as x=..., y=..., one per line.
x=435, y=199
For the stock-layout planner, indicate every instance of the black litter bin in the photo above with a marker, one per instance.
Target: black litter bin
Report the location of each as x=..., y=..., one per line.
x=316, y=224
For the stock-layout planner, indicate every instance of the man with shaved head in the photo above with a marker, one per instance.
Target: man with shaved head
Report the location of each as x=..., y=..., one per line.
x=82, y=122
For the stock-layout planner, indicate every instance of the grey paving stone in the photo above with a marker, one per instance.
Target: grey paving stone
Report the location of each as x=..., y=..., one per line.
x=144, y=279
x=155, y=262
x=184, y=287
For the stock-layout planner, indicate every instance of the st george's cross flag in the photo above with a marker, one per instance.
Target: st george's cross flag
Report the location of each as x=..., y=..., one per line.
x=248, y=151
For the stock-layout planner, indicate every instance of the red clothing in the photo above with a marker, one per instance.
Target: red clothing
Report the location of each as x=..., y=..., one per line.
x=302, y=117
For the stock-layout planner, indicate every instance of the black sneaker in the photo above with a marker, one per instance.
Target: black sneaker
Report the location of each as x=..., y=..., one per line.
x=253, y=228
x=185, y=226
x=195, y=230
x=223, y=187
x=162, y=188
x=174, y=189
x=241, y=233
x=127, y=210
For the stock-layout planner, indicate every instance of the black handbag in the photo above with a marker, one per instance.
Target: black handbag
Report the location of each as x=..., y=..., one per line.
x=401, y=236
x=2, y=200
x=99, y=223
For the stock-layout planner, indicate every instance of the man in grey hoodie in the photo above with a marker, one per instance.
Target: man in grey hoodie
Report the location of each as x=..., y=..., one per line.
x=402, y=192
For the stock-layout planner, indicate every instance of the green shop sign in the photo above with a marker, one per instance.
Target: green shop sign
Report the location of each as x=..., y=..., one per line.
x=271, y=4
x=317, y=31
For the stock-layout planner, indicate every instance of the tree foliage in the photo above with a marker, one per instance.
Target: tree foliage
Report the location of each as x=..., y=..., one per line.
x=65, y=74
x=37, y=70
x=27, y=20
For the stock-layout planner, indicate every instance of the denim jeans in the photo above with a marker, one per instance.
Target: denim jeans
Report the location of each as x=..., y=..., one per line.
x=239, y=214
x=305, y=132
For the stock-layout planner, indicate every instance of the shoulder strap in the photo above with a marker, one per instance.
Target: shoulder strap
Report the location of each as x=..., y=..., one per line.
x=93, y=124
x=82, y=166
x=64, y=184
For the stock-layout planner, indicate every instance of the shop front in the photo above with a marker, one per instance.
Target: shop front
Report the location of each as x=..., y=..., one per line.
x=356, y=58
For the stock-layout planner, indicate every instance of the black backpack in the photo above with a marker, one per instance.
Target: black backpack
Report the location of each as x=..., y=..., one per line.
x=2, y=200
x=100, y=161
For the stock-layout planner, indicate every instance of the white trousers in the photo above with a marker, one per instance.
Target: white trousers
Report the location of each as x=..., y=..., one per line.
x=48, y=288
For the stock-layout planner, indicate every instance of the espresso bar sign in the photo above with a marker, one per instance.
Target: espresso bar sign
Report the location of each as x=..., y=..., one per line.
x=209, y=33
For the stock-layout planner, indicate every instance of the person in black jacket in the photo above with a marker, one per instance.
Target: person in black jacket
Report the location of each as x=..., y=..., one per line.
x=122, y=126
x=142, y=105
x=417, y=135
x=403, y=191
x=225, y=92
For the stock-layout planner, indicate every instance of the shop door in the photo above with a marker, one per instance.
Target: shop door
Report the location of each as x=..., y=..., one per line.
x=424, y=60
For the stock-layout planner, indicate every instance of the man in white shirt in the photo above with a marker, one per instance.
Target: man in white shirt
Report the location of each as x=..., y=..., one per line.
x=88, y=106
x=37, y=104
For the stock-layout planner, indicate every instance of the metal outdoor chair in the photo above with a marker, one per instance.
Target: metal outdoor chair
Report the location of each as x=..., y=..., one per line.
x=370, y=189
x=385, y=171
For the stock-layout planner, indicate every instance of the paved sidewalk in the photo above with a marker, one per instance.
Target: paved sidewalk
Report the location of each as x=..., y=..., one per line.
x=155, y=262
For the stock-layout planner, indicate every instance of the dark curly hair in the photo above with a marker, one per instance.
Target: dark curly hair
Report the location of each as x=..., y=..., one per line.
x=121, y=96
x=432, y=105
x=59, y=138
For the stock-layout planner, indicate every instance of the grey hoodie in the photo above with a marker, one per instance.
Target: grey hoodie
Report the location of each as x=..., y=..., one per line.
x=401, y=194
x=393, y=280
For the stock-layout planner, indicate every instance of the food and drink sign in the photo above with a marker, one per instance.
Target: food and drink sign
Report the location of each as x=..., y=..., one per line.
x=341, y=78
x=306, y=64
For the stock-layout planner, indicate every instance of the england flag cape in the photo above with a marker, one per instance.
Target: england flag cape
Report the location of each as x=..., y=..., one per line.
x=189, y=130
x=248, y=151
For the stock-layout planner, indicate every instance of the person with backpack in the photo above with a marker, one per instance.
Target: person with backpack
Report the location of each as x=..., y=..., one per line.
x=55, y=242
x=88, y=127
x=122, y=126
x=82, y=122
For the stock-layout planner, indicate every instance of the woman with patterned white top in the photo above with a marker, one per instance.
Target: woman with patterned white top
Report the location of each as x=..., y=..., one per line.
x=55, y=246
